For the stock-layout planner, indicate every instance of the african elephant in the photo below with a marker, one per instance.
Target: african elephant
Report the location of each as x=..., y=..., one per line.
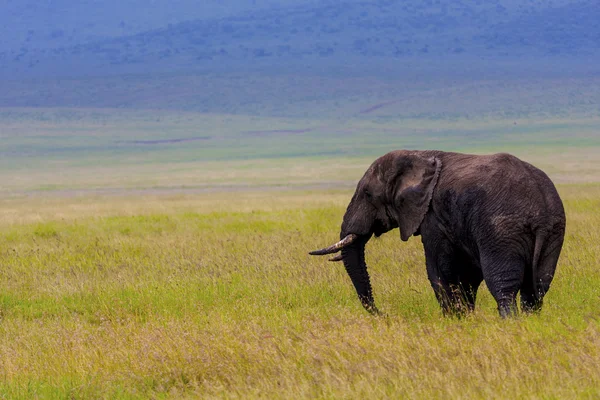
x=480, y=217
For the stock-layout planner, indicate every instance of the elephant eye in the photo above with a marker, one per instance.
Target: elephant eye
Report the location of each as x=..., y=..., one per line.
x=368, y=194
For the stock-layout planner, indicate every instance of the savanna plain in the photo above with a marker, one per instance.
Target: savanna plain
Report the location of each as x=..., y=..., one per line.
x=144, y=257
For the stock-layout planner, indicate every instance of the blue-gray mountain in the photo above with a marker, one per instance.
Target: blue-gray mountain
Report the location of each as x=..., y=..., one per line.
x=296, y=31
x=34, y=24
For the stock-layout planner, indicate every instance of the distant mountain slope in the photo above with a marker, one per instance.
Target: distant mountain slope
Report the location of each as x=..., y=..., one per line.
x=567, y=29
x=34, y=24
x=335, y=31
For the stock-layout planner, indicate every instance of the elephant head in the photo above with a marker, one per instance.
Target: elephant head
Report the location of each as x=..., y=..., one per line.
x=395, y=192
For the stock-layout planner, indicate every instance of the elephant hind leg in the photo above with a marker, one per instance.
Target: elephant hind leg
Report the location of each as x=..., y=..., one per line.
x=529, y=303
x=503, y=275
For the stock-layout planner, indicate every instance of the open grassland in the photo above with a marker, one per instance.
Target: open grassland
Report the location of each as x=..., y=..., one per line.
x=214, y=295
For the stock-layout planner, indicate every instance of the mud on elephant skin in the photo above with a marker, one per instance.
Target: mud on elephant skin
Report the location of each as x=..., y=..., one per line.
x=491, y=218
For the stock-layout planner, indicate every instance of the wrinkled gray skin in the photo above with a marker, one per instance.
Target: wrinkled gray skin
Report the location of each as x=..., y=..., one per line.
x=494, y=218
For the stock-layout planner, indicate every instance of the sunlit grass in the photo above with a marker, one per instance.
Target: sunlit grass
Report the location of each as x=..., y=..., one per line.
x=214, y=295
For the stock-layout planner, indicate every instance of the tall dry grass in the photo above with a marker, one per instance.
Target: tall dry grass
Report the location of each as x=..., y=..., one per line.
x=213, y=295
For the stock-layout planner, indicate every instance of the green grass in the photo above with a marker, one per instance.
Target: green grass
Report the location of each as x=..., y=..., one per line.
x=214, y=295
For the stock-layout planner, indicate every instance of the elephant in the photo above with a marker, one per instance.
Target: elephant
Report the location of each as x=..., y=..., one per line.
x=492, y=218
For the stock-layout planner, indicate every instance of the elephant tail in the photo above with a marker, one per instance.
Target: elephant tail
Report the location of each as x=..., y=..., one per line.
x=540, y=239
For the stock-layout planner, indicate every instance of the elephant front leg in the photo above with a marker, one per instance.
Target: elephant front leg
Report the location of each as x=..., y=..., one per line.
x=469, y=278
x=446, y=297
x=455, y=299
x=452, y=274
x=456, y=296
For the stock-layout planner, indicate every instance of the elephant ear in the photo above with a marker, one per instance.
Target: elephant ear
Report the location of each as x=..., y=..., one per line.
x=415, y=179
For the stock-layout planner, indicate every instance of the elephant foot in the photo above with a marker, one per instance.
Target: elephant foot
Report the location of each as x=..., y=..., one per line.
x=530, y=304
x=531, y=307
x=507, y=308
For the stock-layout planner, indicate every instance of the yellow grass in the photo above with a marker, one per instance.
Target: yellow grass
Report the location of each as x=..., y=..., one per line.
x=213, y=295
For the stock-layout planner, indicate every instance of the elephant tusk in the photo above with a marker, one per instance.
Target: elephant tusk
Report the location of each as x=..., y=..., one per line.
x=337, y=258
x=334, y=248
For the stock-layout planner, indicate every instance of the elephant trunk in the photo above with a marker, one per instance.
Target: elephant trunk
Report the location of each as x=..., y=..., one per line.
x=354, y=262
x=352, y=248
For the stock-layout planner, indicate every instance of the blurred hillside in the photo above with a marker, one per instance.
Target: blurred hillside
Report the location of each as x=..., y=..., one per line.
x=301, y=57
x=162, y=38
x=31, y=24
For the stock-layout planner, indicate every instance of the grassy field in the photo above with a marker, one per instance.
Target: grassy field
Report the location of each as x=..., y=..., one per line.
x=214, y=295
x=163, y=254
